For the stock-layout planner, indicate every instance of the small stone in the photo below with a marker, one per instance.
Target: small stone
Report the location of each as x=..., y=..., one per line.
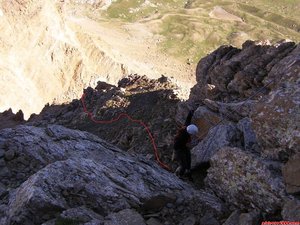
x=94, y=222
x=82, y=214
x=233, y=219
x=46, y=217
x=171, y=211
x=153, y=221
x=157, y=202
x=21, y=176
x=9, y=154
x=126, y=216
x=191, y=220
x=3, y=190
x=2, y=163
x=208, y=219
x=170, y=205
x=65, y=193
x=251, y=218
x=50, y=222
x=23, y=160
x=291, y=211
x=4, y=172
x=179, y=201
x=3, y=208
x=180, y=208
x=1, y=152
x=291, y=174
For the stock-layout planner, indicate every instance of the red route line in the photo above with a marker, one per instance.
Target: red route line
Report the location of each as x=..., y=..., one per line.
x=121, y=115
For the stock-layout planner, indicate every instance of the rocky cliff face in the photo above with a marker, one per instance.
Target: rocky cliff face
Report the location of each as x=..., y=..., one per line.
x=248, y=99
x=245, y=161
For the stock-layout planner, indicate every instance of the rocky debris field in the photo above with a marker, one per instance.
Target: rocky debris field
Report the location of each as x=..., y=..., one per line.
x=245, y=160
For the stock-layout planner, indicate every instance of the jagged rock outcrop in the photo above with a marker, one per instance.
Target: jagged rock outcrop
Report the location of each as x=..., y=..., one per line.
x=9, y=119
x=54, y=173
x=229, y=74
x=221, y=72
x=152, y=101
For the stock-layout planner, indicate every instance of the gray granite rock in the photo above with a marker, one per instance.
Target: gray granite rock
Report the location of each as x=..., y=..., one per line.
x=217, y=138
x=74, y=174
x=245, y=181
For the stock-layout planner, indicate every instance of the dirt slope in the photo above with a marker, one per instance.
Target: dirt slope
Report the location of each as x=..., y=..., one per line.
x=49, y=53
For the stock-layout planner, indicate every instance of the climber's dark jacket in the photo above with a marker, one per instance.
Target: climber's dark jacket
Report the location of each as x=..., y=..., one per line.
x=181, y=139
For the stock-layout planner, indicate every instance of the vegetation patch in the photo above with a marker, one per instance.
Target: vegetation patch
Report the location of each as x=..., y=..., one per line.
x=189, y=32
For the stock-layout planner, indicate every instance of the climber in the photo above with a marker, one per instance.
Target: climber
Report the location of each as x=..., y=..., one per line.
x=181, y=151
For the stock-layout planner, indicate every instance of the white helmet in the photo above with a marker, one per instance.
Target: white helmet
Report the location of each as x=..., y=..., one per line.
x=192, y=129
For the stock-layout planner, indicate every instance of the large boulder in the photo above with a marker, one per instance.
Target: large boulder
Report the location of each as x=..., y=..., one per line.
x=27, y=149
x=276, y=118
x=245, y=181
x=205, y=119
x=74, y=170
x=102, y=187
x=218, y=137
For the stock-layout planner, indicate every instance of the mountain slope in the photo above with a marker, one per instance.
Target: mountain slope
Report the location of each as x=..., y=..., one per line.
x=50, y=50
x=50, y=54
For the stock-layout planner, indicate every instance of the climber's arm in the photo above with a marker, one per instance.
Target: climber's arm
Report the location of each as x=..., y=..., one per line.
x=189, y=118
